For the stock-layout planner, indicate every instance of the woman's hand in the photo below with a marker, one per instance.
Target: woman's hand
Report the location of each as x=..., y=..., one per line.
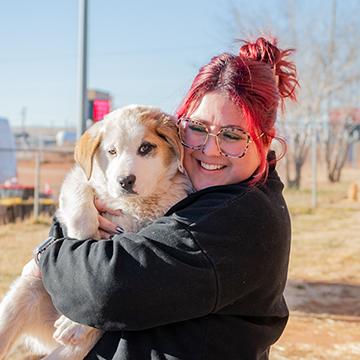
x=106, y=227
x=31, y=269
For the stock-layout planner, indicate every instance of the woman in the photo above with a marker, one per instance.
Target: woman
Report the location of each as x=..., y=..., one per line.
x=206, y=280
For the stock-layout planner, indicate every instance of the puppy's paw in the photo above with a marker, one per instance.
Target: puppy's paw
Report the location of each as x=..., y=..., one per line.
x=69, y=332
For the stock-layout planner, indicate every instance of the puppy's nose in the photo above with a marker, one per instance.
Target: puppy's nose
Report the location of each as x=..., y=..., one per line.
x=127, y=182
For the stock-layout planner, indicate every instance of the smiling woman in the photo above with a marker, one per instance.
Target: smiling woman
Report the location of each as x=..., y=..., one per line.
x=226, y=157
x=235, y=91
x=206, y=280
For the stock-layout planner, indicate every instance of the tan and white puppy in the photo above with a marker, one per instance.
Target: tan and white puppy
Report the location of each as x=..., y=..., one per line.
x=132, y=161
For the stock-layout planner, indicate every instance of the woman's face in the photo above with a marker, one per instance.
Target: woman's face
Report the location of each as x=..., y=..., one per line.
x=208, y=167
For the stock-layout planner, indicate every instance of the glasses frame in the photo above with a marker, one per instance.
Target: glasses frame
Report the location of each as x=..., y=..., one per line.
x=208, y=133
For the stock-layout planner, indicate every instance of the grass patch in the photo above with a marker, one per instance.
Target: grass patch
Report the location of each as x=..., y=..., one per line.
x=325, y=244
x=17, y=242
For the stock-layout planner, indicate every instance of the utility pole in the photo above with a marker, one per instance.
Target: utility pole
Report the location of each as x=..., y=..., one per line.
x=82, y=67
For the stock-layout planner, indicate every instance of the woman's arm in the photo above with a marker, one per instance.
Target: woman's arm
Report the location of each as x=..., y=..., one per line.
x=133, y=281
x=223, y=253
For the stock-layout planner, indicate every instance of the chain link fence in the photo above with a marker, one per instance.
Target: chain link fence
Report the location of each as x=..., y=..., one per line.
x=32, y=187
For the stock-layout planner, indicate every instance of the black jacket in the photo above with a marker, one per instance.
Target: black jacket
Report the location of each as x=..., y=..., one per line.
x=203, y=282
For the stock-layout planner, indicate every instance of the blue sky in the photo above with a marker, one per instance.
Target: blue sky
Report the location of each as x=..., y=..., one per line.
x=140, y=51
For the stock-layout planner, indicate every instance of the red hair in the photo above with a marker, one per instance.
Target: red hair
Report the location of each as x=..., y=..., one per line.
x=257, y=81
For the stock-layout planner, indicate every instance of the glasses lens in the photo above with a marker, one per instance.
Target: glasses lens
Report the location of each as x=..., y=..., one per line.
x=192, y=133
x=233, y=141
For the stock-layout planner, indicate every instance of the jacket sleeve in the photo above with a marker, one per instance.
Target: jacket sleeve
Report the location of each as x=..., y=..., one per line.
x=133, y=281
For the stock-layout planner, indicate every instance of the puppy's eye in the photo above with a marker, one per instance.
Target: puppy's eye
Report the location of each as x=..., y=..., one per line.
x=145, y=148
x=112, y=151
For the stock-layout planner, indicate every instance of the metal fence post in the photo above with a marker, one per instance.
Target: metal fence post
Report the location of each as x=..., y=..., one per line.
x=314, y=163
x=37, y=186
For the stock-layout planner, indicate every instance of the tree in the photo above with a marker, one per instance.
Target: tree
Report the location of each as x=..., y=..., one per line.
x=342, y=132
x=328, y=61
x=298, y=140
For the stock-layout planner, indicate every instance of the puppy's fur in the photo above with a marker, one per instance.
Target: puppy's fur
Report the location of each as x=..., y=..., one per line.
x=131, y=161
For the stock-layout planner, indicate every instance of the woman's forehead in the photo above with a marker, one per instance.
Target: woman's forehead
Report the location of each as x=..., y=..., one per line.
x=216, y=109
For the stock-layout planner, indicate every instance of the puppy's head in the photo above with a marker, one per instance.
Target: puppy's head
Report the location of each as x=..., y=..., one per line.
x=136, y=148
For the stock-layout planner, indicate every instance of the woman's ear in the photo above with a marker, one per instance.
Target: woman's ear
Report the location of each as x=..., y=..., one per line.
x=86, y=147
x=168, y=130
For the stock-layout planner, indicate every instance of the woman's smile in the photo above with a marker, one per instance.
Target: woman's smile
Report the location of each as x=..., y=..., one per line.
x=207, y=166
x=211, y=167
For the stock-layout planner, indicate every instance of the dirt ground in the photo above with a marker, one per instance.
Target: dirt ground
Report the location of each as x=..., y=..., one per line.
x=323, y=291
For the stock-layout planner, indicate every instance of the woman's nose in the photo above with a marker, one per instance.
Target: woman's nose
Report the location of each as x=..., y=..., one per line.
x=211, y=148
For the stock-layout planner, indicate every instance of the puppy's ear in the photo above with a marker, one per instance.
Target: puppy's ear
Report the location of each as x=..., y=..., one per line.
x=86, y=146
x=167, y=129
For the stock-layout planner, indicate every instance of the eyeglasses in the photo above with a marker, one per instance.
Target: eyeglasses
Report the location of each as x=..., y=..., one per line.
x=231, y=141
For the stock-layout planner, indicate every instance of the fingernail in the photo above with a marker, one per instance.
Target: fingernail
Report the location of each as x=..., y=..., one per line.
x=119, y=229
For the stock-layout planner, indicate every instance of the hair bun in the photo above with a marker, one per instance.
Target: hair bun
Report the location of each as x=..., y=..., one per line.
x=261, y=50
x=266, y=51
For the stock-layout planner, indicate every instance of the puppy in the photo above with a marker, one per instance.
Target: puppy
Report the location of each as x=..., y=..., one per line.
x=131, y=161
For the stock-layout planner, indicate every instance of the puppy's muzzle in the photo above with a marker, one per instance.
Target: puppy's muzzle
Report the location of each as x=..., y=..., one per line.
x=127, y=182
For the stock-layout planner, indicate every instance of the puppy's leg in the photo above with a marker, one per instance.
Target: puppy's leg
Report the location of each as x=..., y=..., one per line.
x=26, y=309
x=78, y=351
x=70, y=332
x=76, y=207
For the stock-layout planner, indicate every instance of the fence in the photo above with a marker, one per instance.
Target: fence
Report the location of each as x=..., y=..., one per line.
x=36, y=185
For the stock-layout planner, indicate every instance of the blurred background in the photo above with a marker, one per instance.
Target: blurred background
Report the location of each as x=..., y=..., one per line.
x=148, y=53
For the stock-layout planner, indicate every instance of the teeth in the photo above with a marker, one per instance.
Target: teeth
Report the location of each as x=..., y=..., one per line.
x=211, y=166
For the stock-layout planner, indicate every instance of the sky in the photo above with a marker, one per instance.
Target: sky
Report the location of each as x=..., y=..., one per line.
x=140, y=51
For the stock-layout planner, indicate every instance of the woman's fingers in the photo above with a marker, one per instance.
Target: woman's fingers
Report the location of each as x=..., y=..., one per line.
x=101, y=208
x=108, y=226
x=105, y=235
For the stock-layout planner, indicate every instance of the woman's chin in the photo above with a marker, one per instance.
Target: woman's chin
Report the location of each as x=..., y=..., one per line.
x=203, y=178
x=201, y=184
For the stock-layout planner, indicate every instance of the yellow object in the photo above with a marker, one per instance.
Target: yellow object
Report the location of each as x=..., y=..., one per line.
x=13, y=201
